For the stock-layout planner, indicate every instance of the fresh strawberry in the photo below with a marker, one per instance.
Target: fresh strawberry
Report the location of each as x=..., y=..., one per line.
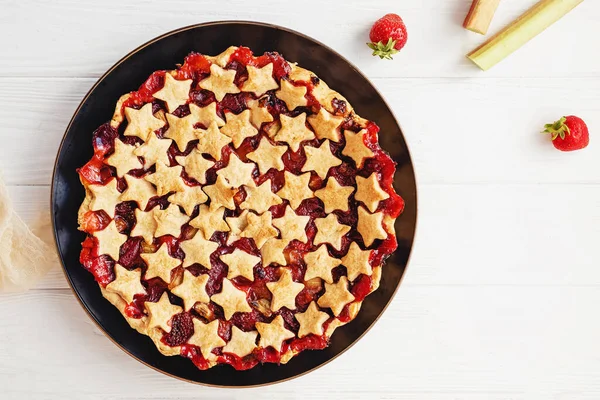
x=569, y=133
x=388, y=35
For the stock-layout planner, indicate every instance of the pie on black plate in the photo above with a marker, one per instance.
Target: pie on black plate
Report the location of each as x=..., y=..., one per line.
x=235, y=209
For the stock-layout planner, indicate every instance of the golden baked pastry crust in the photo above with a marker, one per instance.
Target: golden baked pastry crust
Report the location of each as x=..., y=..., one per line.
x=243, y=225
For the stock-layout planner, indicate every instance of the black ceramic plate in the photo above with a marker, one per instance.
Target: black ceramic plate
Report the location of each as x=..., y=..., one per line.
x=163, y=53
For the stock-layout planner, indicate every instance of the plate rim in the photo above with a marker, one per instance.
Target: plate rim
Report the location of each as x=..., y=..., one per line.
x=78, y=109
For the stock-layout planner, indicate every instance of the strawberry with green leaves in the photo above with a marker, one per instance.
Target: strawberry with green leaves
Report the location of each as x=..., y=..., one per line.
x=569, y=133
x=388, y=35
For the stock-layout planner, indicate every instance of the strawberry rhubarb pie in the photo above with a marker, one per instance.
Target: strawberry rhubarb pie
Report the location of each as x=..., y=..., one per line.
x=237, y=210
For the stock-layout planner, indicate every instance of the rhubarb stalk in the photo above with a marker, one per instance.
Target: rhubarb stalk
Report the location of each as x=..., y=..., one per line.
x=480, y=15
x=519, y=32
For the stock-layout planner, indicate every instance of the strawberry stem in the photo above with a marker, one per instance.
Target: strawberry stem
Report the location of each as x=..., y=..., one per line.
x=384, y=51
x=558, y=129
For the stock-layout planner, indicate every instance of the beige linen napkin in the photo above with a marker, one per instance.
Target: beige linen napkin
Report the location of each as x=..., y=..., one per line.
x=24, y=257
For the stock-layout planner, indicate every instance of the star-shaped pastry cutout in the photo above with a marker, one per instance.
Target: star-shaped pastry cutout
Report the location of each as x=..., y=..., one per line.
x=220, y=82
x=197, y=251
x=329, y=230
x=336, y=296
x=240, y=263
x=296, y=188
x=241, y=343
x=326, y=125
x=123, y=159
x=237, y=225
x=370, y=226
x=174, y=93
x=160, y=313
x=154, y=150
x=259, y=228
x=223, y=58
x=260, y=80
x=106, y=197
x=110, y=241
x=258, y=113
x=284, y=291
x=320, y=159
x=181, y=130
x=127, y=283
x=166, y=179
x=237, y=172
x=272, y=252
x=209, y=221
x=138, y=190
x=273, y=334
x=212, y=141
x=206, y=336
x=231, y=299
x=169, y=221
x=293, y=96
x=267, y=156
x=238, y=127
x=195, y=165
x=355, y=147
x=145, y=225
x=334, y=196
x=221, y=194
x=260, y=198
x=356, y=262
x=160, y=264
x=206, y=115
x=294, y=131
x=319, y=264
x=292, y=226
x=192, y=289
x=189, y=198
x=311, y=321
x=369, y=191
x=142, y=122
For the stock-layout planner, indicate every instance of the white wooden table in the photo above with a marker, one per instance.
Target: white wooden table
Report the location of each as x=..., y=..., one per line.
x=502, y=295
